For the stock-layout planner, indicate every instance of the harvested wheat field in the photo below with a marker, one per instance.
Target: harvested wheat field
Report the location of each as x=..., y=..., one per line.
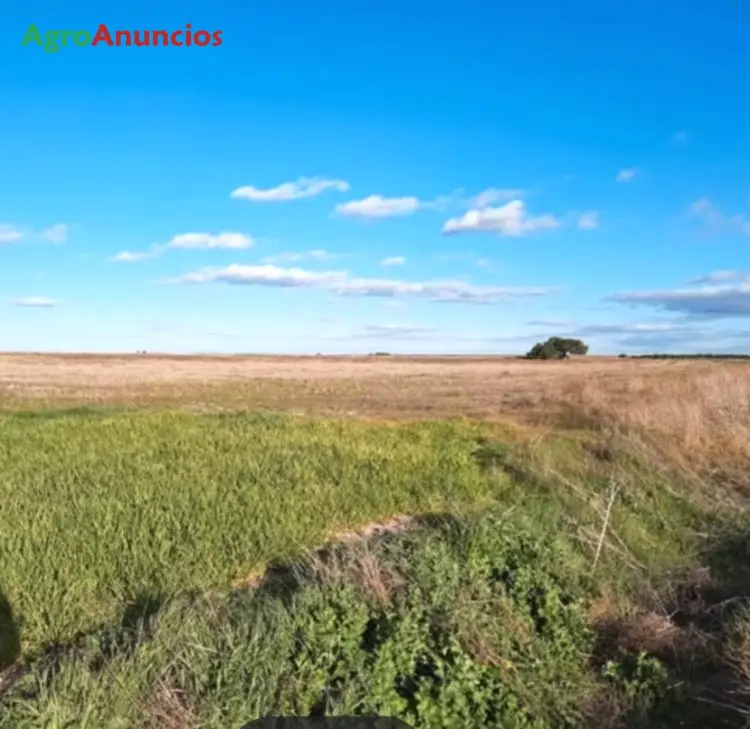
x=197, y=541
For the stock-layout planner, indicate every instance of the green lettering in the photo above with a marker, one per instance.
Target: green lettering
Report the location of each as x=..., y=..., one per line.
x=50, y=41
x=82, y=38
x=32, y=36
x=65, y=35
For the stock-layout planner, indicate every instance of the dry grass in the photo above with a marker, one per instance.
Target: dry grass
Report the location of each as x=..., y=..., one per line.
x=694, y=412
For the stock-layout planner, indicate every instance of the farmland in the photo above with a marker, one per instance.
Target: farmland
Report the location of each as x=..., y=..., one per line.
x=198, y=541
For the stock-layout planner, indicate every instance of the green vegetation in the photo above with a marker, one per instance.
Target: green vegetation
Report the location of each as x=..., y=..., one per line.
x=160, y=572
x=557, y=348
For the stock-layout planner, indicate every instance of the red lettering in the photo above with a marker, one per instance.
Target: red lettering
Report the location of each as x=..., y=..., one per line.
x=102, y=36
x=160, y=34
x=202, y=38
x=122, y=36
x=217, y=38
x=137, y=38
x=189, y=34
x=174, y=40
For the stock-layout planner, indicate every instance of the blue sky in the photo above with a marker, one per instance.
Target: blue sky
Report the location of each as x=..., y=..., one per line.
x=352, y=177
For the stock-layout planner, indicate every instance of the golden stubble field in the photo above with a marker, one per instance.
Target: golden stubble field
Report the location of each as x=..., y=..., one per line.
x=690, y=401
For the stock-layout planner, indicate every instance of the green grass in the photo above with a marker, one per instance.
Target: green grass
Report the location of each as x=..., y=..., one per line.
x=123, y=532
x=96, y=511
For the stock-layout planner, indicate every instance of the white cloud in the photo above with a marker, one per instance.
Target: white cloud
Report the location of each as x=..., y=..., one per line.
x=57, y=233
x=342, y=283
x=377, y=206
x=626, y=175
x=190, y=241
x=9, y=234
x=301, y=188
x=493, y=194
x=393, y=261
x=510, y=219
x=35, y=302
x=209, y=241
x=589, y=220
x=133, y=256
x=314, y=255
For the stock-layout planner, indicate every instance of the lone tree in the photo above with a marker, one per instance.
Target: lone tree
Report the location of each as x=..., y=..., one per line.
x=557, y=348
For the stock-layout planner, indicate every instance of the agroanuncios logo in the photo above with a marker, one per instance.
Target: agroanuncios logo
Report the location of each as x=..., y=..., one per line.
x=52, y=41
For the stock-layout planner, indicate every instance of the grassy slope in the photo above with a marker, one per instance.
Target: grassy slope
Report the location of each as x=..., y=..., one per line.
x=122, y=534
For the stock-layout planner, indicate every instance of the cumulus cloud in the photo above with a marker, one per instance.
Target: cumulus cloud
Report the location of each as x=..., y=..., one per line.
x=510, y=219
x=714, y=219
x=37, y=302
x=589, y=220
x=342, y=283
x=314, y=255
x=9, y=234
x=377, y=206
x=710, y=300
x=300, y=188
x=57, y=233
x=626, y=175
x=393, y=261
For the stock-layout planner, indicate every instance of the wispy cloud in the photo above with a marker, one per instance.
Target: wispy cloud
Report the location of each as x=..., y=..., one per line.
x=715, y=220
x=210, y=241
x=711, y=300
x=133, y=256
x=720, y=276
x=394, y=332
x=36, y=302
x=494, y=194
x=231, y=241
x=57, y=233
x=511, y=219
x=10, y=234
x=589, y=220
x=377, y=206
x=300, y=188
x=344, y=284
x=626, y=175
x=314, y=255
x=393, y=261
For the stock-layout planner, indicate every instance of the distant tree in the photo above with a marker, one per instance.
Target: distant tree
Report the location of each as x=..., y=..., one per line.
x=557, y=348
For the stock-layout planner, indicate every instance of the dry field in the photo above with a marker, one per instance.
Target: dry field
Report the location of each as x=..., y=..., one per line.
x=699, y=409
